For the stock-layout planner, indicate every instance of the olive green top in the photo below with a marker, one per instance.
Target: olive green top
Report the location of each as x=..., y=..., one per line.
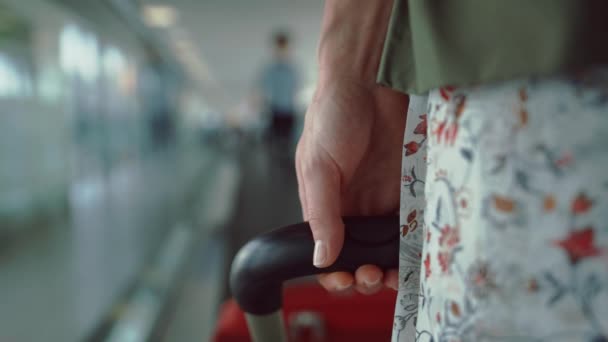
x=433, y=43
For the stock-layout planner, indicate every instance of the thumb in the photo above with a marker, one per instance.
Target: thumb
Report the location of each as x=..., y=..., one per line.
x=322, y=183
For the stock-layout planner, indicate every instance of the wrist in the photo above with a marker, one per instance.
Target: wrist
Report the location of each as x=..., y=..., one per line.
x=360, y=69
x=352, y=38
x=334, y=84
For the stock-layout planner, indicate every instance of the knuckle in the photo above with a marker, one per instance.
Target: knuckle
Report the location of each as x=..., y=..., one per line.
x=316, y=223
x=309, y=167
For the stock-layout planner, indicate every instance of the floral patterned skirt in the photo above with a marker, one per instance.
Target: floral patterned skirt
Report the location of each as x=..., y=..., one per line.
x=504, y=213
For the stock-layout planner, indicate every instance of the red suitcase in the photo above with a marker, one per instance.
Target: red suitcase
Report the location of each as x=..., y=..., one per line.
x=309, y=312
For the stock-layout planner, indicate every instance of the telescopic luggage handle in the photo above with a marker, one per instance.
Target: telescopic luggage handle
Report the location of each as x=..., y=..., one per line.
x=264, y=263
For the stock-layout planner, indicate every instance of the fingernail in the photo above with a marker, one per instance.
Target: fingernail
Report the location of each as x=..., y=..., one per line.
x=342, y=287
x=320, y=254
x=371, y=284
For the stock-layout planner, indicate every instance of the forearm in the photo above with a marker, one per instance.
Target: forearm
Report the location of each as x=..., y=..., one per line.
x=352, y=36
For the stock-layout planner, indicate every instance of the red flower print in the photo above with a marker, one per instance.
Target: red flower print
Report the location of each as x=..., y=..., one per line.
x=523, y=95
x=460, y=105
x=427, y=266
x=446, y=92
x=504, y=204
x=549, y=203
x=522, y=113
x=446, y=132
x=455, y=309
x=448, y=239
x=450, y=236
x=407, y=179
x=579, y=245
x=421, y=127
x=565, y=160
x=404, y=230
x=581, y=204
x=438, y=132
x=441, y=173
x=523, y=117
x=411, y=220
x=412, y=216
x=533, y=285
x=444, y=259
x=480, y=279
x=464, y=201
x=411, y=148
x=450, y=133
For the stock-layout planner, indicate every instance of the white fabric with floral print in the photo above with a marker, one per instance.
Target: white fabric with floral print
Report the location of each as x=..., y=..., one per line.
x=504, y=213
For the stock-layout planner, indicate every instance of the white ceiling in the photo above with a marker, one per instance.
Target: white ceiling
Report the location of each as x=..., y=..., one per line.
x=233, y=38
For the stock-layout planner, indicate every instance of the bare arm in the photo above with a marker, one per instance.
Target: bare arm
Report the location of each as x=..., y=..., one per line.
x=352, y=36
x=349, y=156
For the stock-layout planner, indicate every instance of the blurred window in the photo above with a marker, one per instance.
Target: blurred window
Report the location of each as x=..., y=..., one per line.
x=114, y=62
x=12, y=83
x=79, y=53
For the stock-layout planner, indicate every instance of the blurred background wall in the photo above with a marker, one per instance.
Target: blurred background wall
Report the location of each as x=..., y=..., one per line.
x=81, y=91
x=136, y=157
x=70, y=105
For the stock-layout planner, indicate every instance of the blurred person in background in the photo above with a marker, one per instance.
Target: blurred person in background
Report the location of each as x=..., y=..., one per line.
x=156, y=99
x=279, y=86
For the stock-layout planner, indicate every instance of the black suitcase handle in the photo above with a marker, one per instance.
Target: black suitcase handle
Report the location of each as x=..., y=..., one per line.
x=263, y=264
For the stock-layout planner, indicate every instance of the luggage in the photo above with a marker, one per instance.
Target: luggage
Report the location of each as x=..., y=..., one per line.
x=263, y=311
x=313, y=314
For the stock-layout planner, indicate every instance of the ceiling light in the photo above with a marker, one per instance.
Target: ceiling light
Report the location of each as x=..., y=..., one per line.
x=160, y=15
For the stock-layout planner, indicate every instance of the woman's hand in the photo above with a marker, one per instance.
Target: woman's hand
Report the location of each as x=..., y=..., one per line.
x=349, y=156
x=348, y=162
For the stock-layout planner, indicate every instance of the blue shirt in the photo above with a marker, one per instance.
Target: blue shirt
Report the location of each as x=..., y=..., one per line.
x=279, y=86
